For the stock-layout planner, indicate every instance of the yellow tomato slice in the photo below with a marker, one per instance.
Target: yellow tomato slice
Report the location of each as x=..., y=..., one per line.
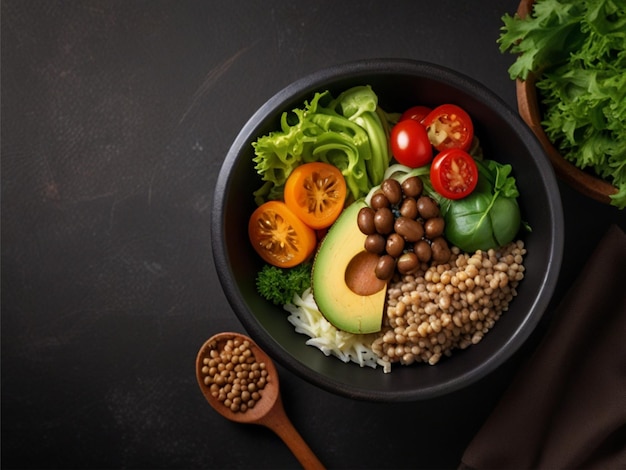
x=316, y=193
x=279, y=236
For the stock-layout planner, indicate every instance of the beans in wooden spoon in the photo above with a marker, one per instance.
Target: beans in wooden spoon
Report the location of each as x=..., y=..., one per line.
x=240, y=381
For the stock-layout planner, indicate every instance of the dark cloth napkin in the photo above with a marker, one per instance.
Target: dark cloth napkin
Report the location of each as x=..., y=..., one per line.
x=566, y=408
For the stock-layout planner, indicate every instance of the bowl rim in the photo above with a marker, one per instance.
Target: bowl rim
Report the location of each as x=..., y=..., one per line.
x=528, y=106
x=254, y=328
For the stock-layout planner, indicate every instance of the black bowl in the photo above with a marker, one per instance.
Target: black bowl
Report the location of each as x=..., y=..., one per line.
x=504, y=137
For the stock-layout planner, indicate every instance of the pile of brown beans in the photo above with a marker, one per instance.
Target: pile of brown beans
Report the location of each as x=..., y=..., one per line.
x=404, y=227
x=234, y=375
x=439, y=308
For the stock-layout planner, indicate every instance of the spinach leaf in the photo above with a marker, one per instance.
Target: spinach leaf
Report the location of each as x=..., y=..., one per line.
x=490, y=216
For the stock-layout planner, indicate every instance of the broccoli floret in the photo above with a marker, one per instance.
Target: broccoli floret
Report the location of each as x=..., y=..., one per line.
x=279, y=285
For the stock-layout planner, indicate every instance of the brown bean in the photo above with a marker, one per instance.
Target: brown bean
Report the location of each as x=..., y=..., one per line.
x=407, y=262
x=412, y=187
x=409, y=208
x=379, y=200
x=365, y=220
x=385, y=267
x=383, y=220
x=392, y=189
x=434, y=227
x=375, y=243
x=423, y=251
x=427, y=207
x=395, y=245
x=410, y=229
x=441, y=250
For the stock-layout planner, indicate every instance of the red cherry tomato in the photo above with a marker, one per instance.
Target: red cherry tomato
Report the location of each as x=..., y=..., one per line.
x=454, y=173
x=410, y=145
x=449, y=126
x=417, y=113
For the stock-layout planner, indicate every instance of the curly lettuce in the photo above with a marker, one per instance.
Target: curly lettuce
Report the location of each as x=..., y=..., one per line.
x=577, y=51
x=346, y=131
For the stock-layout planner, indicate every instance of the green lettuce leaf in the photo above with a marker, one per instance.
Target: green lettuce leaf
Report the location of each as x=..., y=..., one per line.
x=577, y=51
x=346, y=132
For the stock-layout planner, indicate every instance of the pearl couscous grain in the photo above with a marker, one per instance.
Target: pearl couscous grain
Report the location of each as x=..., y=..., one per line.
x=438, y=308
x=234, y=376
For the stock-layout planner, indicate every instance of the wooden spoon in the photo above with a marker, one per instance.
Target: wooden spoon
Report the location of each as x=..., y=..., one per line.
x=268, y=411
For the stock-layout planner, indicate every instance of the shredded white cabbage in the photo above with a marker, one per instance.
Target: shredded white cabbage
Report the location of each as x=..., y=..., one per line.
x=308, y=320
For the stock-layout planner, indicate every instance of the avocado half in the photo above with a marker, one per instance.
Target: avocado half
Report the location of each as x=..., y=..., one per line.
x=345, y=288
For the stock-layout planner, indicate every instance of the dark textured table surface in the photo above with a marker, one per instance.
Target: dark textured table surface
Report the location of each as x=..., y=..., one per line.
x=116, y=116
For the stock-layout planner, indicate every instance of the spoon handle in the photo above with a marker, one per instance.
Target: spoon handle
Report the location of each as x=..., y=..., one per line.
x=282, y=426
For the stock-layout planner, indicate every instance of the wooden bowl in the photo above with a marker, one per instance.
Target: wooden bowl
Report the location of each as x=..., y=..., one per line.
x=530, y=111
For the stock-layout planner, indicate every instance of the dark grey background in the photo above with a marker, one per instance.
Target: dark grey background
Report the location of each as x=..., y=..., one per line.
x=116, y=116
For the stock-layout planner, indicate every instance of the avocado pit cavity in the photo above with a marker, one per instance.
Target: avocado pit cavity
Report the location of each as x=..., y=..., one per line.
x=360, y=277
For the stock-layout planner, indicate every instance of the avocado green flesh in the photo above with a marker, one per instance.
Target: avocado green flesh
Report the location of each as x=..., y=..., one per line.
x=340, y=305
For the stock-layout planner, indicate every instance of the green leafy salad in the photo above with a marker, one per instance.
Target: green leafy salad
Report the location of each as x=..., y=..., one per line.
x=577, y=51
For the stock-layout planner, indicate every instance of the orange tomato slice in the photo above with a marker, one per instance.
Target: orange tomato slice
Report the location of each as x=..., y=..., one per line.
x=279, y=236
x=316, y=193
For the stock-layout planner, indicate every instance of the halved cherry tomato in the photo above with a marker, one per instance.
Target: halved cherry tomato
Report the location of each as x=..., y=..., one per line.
x=279, y=236
x=454, y=173
x=316, y=193
x=449, y=126
x=410, y=144
x=417, y=113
